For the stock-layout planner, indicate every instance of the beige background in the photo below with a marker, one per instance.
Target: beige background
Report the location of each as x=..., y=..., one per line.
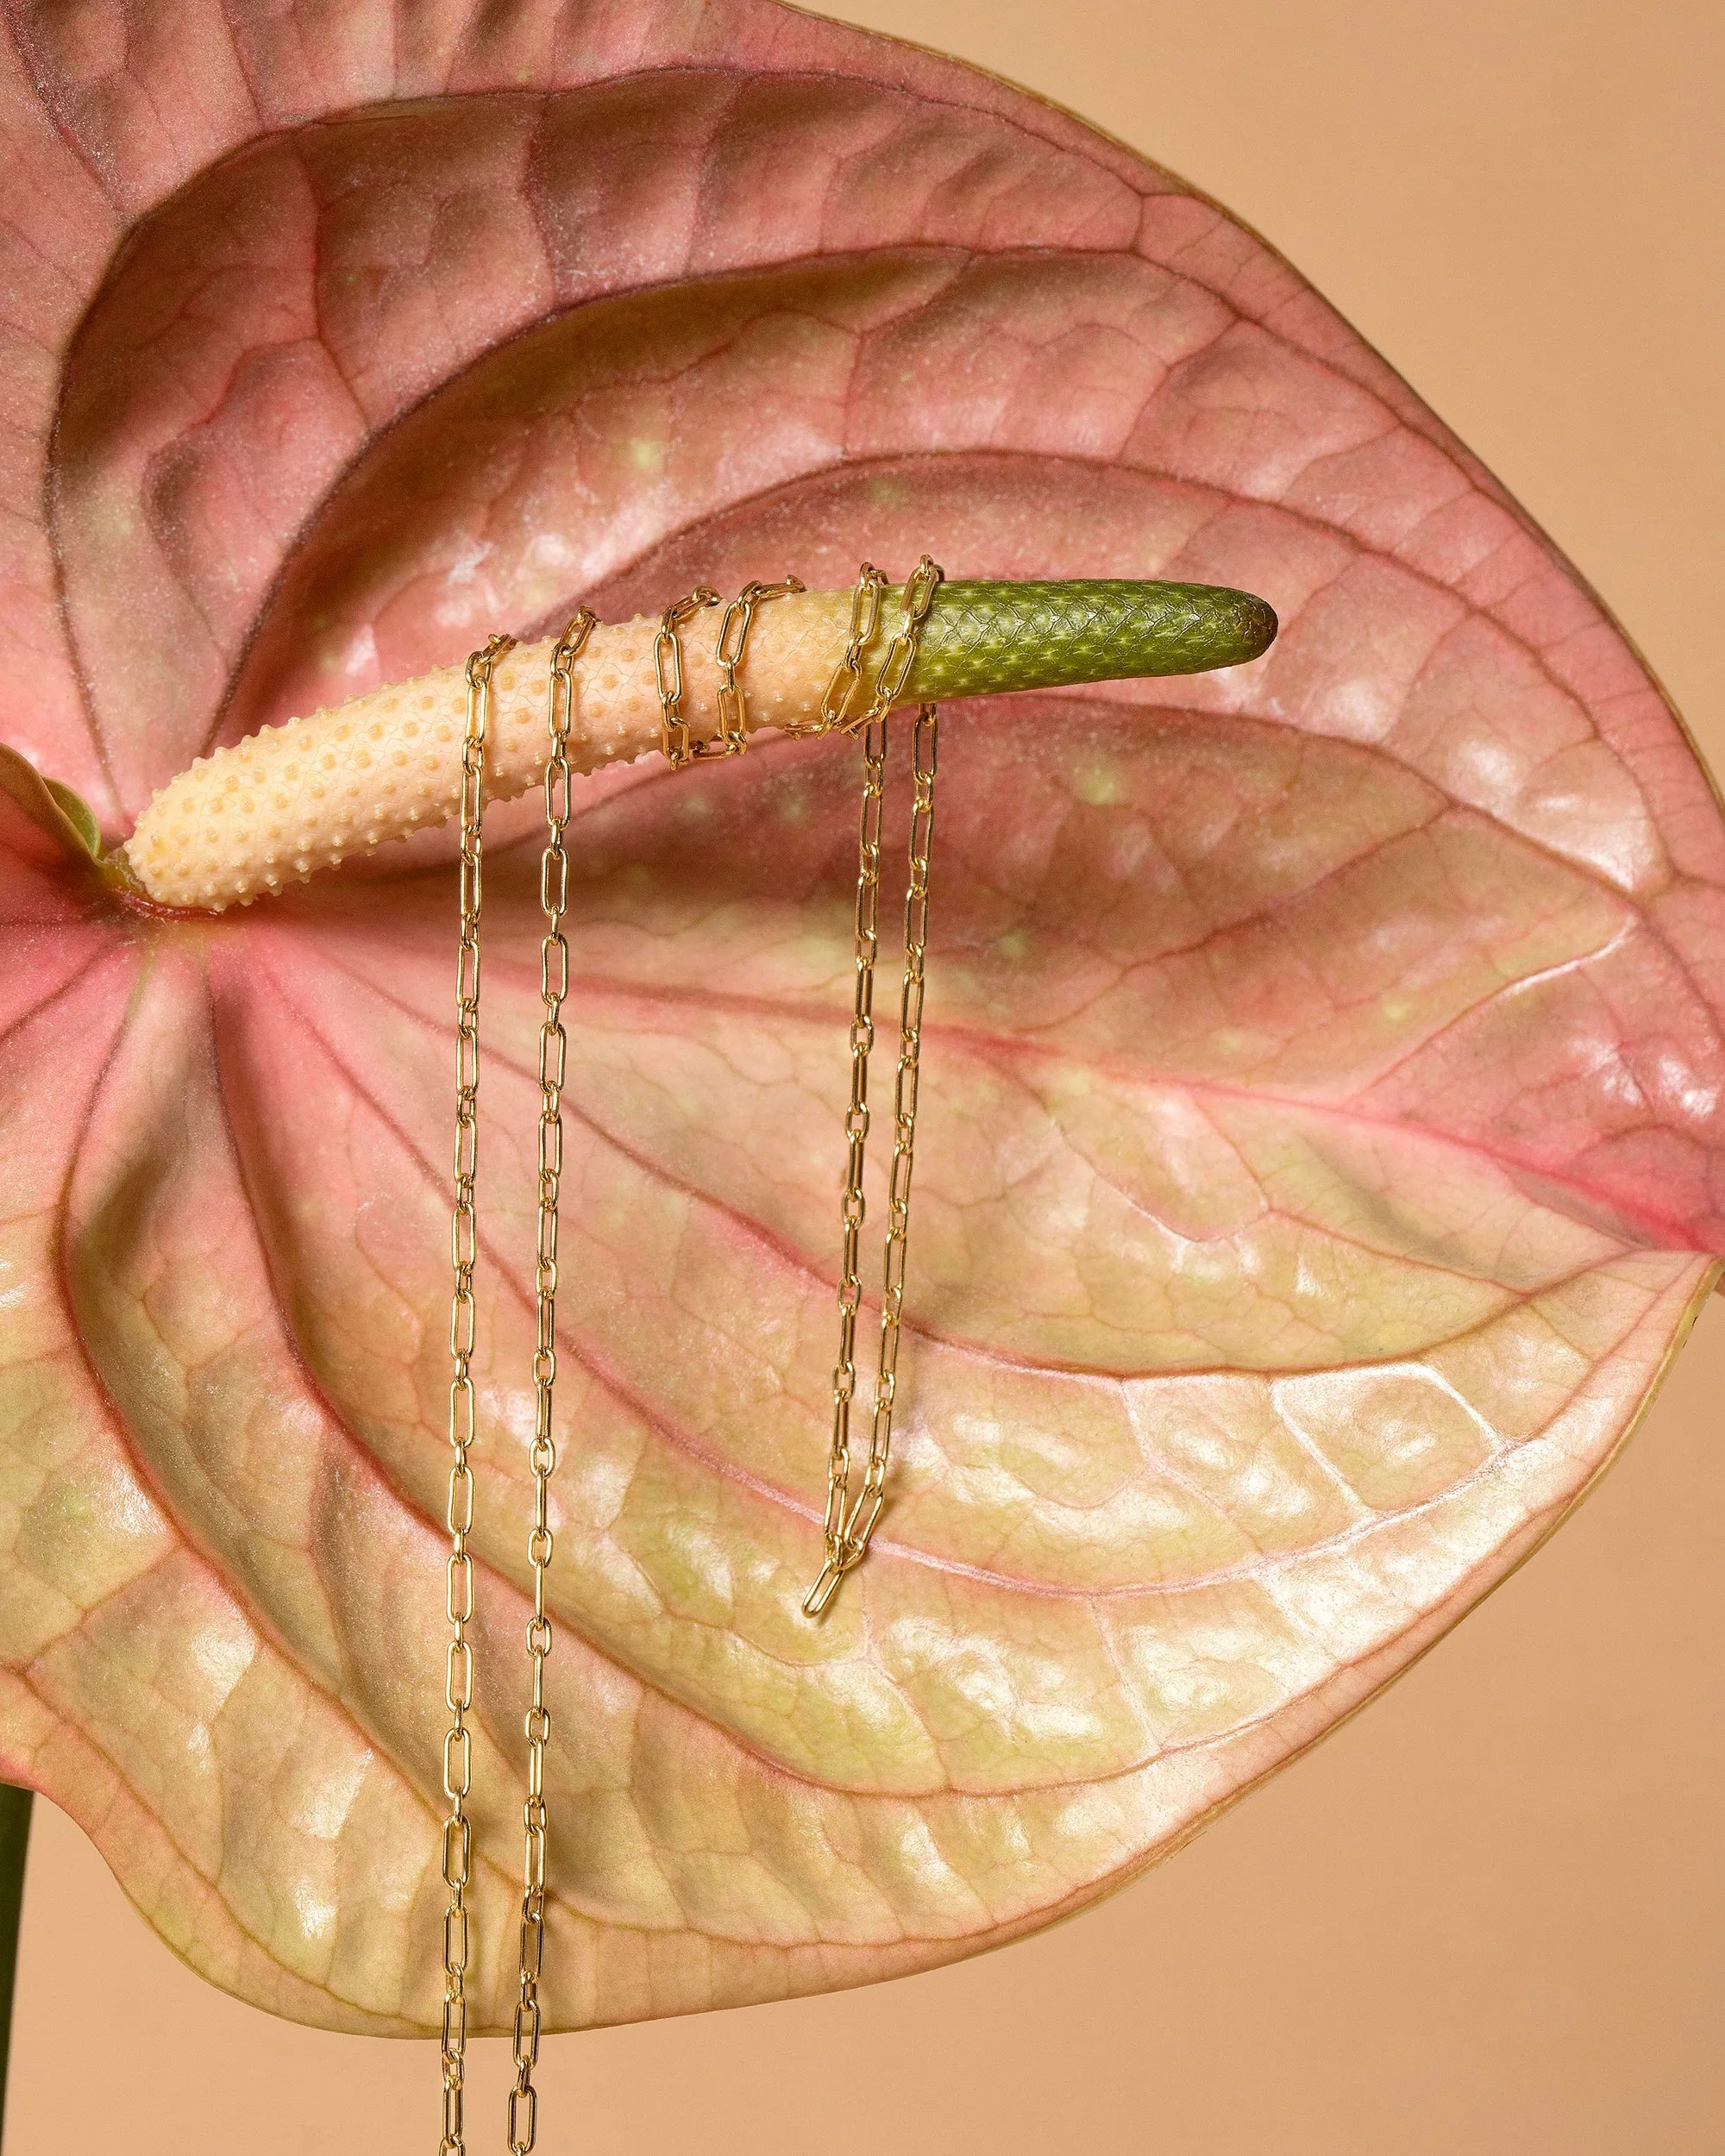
x=1488, y=1916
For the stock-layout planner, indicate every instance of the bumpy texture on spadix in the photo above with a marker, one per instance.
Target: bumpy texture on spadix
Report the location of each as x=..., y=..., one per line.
x=292, y=800
x=1321, y=1142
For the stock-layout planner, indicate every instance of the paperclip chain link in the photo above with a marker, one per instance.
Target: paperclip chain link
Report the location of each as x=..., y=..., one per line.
x=458, y=1688
x=732, y=738
x=847, y=675
x=849, y=1523
x=667, y=672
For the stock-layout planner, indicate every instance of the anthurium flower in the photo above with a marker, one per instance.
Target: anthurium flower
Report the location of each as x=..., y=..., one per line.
x=1320, y=1144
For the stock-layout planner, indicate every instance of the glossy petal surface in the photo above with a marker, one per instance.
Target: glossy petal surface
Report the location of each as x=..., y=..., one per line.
x=1321, y=1139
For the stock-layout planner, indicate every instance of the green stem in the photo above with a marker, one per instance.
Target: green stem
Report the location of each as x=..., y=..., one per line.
x=14, y=1843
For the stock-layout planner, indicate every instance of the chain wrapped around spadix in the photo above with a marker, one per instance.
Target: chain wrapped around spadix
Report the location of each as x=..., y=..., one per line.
x=275, y=808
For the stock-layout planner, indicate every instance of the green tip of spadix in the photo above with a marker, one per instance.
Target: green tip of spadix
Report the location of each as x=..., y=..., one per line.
x=981, y=639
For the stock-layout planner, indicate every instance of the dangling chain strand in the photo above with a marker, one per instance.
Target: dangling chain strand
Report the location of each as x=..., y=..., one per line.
x=458, y=1689
x=852, y=1205
x=925, y=746
x=849, y=1523
x=554, y=985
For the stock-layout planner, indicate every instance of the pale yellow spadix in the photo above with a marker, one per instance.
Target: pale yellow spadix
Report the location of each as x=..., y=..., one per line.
x=292, y=800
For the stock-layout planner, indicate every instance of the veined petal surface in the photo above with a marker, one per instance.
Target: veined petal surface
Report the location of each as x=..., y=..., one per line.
x=1321, y=1142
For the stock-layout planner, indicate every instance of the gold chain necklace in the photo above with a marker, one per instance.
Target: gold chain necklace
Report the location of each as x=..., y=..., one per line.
x=458, y=1689
x=849, y=1521
x=542, y=1458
